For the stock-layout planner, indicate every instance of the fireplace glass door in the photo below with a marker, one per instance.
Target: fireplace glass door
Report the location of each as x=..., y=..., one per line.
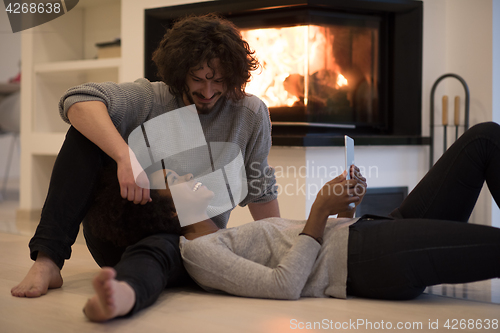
x=317, y=74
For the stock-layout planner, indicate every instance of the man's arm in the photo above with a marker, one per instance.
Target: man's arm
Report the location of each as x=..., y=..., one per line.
x=93, y=121
x=260, y=175
x=261, y=211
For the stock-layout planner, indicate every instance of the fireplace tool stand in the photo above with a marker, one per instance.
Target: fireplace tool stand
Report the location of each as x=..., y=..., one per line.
x=445, y=113
x=456, y=124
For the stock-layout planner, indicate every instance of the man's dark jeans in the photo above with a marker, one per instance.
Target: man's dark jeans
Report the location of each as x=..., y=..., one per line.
x=148, y=266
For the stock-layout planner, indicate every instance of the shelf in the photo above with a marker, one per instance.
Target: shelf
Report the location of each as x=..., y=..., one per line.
x=57, y=56
x=9, y=88
x=338, y=140
x=77, y=65
x=94, y=3
x=46, y=143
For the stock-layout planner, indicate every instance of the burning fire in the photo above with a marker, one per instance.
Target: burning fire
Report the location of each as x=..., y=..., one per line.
x=293, y=60
x=341, y=80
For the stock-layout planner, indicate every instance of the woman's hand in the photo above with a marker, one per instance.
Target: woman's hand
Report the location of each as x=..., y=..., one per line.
x=358, y=191
x=336, y=195
x=134, y=183
x=361, y=185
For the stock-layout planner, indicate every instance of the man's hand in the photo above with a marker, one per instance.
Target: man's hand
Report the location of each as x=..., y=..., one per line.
x=134, y=183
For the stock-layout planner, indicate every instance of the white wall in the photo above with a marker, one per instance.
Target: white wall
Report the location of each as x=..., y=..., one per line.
x=469, y=53
x=381, y=165
x=458, y=38
x=10, y=48
x=495, y=211
x=434, y=53
x=10, y=55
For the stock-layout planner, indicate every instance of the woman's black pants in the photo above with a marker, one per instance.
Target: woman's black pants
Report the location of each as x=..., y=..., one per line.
x=148, y=266
x=426, y=241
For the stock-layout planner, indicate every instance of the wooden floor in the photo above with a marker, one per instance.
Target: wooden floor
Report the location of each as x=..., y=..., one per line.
x=190, y=310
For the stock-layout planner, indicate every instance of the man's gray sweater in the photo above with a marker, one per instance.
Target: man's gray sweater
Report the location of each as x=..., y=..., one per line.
x=245, y=123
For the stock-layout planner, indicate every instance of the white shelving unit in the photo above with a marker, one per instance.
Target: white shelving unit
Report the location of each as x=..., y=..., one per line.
x=56, y=56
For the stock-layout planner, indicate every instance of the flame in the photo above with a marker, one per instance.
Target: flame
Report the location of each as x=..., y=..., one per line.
x=289, y=56
x=281, y=53
x=341, y=80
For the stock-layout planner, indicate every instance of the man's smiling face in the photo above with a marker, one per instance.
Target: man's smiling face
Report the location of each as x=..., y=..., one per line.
x=206, y=86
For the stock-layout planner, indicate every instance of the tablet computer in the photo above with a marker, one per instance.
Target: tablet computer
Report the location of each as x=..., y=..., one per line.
x=349, y=154
x=349, y=159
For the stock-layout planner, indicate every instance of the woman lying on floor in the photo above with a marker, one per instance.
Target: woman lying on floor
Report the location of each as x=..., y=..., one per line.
x=426, y=241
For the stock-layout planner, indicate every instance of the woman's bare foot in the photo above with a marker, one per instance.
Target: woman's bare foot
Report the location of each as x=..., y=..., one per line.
x=43, y=275
x=113, y=298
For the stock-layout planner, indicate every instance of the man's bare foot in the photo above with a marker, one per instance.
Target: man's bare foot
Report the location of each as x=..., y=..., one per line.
x=113, y=298
x=43, y=275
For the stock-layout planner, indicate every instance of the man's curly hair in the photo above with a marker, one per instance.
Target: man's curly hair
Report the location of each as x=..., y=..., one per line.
x=195, y=39
x=124, y=223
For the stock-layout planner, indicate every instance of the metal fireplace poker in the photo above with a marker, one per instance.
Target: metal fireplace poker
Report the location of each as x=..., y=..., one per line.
x=445, y=113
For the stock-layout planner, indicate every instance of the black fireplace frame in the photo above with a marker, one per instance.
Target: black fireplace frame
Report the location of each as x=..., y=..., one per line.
x=400, y=61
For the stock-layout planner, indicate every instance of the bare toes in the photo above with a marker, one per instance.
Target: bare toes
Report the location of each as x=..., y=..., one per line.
x=35, y=292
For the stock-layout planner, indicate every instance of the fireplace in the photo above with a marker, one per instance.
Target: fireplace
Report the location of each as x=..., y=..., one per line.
x=330, y=67
x=320, y=75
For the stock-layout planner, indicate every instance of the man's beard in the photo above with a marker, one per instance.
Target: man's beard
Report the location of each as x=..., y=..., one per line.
x=205, y=109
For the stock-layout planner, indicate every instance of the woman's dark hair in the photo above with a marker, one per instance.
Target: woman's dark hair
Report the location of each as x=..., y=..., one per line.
x=122, y=222
x=196, y=39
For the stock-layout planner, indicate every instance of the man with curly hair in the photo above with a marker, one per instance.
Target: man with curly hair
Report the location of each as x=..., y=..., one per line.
x=202, y=60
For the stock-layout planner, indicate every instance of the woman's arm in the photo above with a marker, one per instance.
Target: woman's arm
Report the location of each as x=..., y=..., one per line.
x=335, y=198
x=215, y=266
